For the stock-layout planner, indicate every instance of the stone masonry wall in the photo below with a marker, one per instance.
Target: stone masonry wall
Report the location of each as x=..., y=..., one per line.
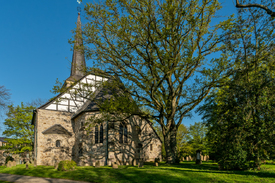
x=47, y=151
x=144, y=144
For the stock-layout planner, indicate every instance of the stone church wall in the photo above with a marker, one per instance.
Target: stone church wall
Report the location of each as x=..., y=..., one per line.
x=47, y=152
x=142, y=143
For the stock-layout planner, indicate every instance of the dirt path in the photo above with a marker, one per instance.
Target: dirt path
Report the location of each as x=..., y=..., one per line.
x=30, y=179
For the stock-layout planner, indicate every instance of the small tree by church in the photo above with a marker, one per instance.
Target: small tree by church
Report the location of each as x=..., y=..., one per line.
x=18, y=125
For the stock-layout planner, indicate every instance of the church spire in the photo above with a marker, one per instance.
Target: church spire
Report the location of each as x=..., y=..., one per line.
x=78, y=61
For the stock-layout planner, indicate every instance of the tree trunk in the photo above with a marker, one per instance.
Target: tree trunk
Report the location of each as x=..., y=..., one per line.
x=170, y=143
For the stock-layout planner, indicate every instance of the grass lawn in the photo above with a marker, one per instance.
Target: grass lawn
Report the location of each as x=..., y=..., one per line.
x=184, y=172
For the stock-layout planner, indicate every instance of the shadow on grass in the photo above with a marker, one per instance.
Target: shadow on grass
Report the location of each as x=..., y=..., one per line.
x=183, y=172
x=213, y=168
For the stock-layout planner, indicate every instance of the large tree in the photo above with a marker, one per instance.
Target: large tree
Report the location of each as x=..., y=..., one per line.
x=156, y=48
x=240, y=115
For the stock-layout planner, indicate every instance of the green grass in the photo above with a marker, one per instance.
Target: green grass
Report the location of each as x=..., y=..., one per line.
x=184, y=172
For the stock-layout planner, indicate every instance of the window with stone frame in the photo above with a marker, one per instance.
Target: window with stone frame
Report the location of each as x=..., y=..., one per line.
x=101, y=134
x=58, y=143
x=123, y=133
x=151, y=147
x=96, y=134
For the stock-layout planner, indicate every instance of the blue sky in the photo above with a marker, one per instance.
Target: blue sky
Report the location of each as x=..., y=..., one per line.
x=35, y=50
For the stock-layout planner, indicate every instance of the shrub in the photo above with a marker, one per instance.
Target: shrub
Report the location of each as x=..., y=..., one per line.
x=66, y=165
x=9, y=158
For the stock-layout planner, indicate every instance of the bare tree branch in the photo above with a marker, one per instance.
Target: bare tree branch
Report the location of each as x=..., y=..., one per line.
x=268, y=11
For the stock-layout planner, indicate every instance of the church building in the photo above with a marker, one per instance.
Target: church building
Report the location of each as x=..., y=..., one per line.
x=61, y=131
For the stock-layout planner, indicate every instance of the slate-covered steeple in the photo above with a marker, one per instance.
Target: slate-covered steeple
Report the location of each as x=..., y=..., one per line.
x=78, y=66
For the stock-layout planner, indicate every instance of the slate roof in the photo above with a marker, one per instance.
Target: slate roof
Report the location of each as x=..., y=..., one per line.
x=2, y=139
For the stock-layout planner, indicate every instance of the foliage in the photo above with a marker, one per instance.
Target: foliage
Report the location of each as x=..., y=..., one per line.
x=240, y=115
x=155, y=48
x=18, y=125
x=197, y=138
x=9, y=158
x=66, y=165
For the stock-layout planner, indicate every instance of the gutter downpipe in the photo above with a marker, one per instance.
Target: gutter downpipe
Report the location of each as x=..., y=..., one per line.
x=35, y=128
x=107, y=151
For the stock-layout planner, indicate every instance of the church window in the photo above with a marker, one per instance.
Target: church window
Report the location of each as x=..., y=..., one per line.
x=122, y=133
x=96, y=134
x=151, y=147
x=58, y=143
x=101, y=134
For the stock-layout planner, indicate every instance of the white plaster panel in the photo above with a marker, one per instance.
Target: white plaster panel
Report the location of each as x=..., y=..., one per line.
x=90, y=82
x=52, y=107
x=62, y=108
x=91, y=77
x=63, y=101
x=98, y=78
x=66, y=95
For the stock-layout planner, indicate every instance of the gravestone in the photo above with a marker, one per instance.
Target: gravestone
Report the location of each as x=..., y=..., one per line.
x=114, y=165
x=2, y=160
x=198, y=157
x=17, y=161
x=56, y=165
x=134, y=162
x=140, y=164
x=13, y=163
x=35, y=163
x=27, y=165
x=97, y=164
x=9, y=164
x=156, y=161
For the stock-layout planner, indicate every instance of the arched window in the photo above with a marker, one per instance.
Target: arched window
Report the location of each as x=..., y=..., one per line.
x=96, y=134
x=122, y=133
x=101, y=134
x=57, y=144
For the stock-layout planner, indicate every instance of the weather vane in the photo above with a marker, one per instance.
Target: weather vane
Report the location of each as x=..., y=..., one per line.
x=78, y=8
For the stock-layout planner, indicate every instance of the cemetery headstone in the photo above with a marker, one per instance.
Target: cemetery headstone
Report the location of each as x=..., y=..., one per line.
x=114, y=165
x=2, y=160
x=198, y=157
x=9, y=164
x=27, y=165
x=156, y=164
x=140, y=164
x=56, y=165
x=97, y=164
x=134, y=162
